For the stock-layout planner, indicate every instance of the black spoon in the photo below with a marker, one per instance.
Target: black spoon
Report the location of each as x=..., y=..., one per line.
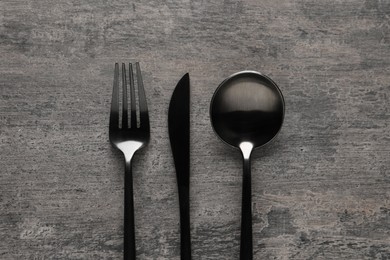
x=247, y=111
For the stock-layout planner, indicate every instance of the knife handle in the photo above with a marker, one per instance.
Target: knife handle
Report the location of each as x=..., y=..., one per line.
x=185, y=234
x=129, y=234
x=246, y=247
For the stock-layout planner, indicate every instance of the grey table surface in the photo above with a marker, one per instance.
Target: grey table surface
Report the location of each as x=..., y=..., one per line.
x=321, y=190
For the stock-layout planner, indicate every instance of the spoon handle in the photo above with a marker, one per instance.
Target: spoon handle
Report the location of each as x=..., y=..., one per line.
x=246, y=247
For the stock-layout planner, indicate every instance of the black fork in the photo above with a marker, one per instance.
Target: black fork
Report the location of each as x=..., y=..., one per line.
x=129, y=138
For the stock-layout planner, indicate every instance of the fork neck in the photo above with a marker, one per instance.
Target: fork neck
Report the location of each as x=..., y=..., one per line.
x=129, y=148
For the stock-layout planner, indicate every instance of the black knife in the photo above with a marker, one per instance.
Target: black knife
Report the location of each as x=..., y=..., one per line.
x=179, y=136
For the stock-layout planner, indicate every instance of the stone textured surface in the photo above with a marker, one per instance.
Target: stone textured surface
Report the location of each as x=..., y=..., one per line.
x=320, y=191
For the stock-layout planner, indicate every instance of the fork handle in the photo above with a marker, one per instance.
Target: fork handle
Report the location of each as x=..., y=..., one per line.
x=129, y=234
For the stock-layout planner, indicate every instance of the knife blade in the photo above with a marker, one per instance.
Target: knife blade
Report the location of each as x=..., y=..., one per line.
x=179, y=136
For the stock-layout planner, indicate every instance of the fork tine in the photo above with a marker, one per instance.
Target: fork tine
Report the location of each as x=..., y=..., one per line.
x=133, y=116
x=114, y=113
x=125, y=116
x=143, y=108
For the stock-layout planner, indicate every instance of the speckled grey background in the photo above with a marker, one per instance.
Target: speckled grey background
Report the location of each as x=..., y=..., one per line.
x=320, y=191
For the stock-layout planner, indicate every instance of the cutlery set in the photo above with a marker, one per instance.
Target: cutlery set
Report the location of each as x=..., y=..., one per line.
x=246, y=111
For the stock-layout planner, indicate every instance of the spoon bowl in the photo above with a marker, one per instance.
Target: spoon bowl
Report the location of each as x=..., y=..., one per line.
x=247, y=111
x=247, y=107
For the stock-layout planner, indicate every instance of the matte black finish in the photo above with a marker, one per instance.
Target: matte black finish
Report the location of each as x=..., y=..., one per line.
x=179, y=135
x=128, y=139
x=247, y=111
